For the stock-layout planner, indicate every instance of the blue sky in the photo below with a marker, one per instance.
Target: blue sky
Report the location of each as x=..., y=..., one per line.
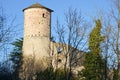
x=13, y=8
x=88, y=8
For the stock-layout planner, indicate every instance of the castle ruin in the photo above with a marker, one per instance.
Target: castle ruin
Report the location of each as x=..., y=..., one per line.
x=39, y=52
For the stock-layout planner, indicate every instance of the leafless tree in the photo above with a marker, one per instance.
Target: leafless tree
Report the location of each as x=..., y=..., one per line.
x=106, y=45
x=73, y=36
x=111, y=46
x=115, y=14
x=7, y=34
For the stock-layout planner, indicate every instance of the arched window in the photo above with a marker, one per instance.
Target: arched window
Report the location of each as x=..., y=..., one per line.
x=59, y=50
x=59, y=60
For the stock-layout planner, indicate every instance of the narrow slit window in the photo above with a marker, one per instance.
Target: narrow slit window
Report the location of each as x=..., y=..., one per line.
x=43, y=15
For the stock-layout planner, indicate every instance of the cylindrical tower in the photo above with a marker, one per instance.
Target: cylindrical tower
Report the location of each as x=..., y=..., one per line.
x=36, y=43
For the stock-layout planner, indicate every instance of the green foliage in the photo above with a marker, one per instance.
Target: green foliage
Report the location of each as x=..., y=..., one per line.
x=93, y=62
x=45, y=75
x=16, y=57
x=51, y=74
x=115, y=76
x=95, y=38
x=60, y=75
x=93, y=67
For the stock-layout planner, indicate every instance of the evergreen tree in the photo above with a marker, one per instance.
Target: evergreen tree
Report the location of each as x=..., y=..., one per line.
x=16, y=57
x=115, y=74
x=93, y=61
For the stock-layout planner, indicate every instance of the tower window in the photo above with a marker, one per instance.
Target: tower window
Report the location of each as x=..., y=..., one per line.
x=43, y=15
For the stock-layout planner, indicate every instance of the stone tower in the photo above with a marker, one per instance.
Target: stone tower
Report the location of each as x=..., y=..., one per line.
x=36, y=43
